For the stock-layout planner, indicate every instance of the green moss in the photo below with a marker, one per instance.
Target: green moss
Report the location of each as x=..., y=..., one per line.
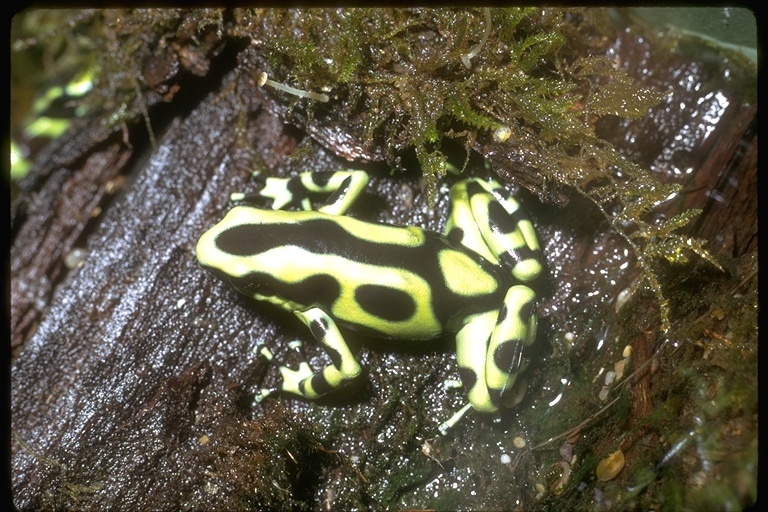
x=459, y=106
x=403, y=69
x=434, y=163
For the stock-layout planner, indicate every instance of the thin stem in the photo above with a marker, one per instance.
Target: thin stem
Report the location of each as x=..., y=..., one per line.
x=465, y=59
x=264, y=79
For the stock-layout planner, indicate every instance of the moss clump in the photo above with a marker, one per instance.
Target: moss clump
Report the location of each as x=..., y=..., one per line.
x=406, y=69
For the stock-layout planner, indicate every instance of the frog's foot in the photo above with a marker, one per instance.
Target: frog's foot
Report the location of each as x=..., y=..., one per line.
x=453, y=420
x=452, y=384
x=292, y=379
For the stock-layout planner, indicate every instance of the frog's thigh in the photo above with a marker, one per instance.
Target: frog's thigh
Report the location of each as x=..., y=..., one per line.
x=342, y=369
x=471, y=355
x=489, y=348
x=515, y=329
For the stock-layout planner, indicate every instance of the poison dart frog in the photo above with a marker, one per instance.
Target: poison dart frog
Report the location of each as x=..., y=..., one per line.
x=397, y=282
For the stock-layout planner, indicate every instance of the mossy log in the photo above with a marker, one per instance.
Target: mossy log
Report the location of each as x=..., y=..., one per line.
x=133, y=370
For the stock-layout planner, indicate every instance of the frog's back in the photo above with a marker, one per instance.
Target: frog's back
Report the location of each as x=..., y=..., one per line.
x=397, y=281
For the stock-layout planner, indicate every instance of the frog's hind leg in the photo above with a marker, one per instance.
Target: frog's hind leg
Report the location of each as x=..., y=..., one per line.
x=486, y=218
x=489, y=350
x=515, y=330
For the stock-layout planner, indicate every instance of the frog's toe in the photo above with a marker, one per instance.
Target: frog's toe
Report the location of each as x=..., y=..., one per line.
x=263, y=393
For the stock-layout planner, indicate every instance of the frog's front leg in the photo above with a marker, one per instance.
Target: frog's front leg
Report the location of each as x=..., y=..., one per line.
x=341, y=189
x=306, y=383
